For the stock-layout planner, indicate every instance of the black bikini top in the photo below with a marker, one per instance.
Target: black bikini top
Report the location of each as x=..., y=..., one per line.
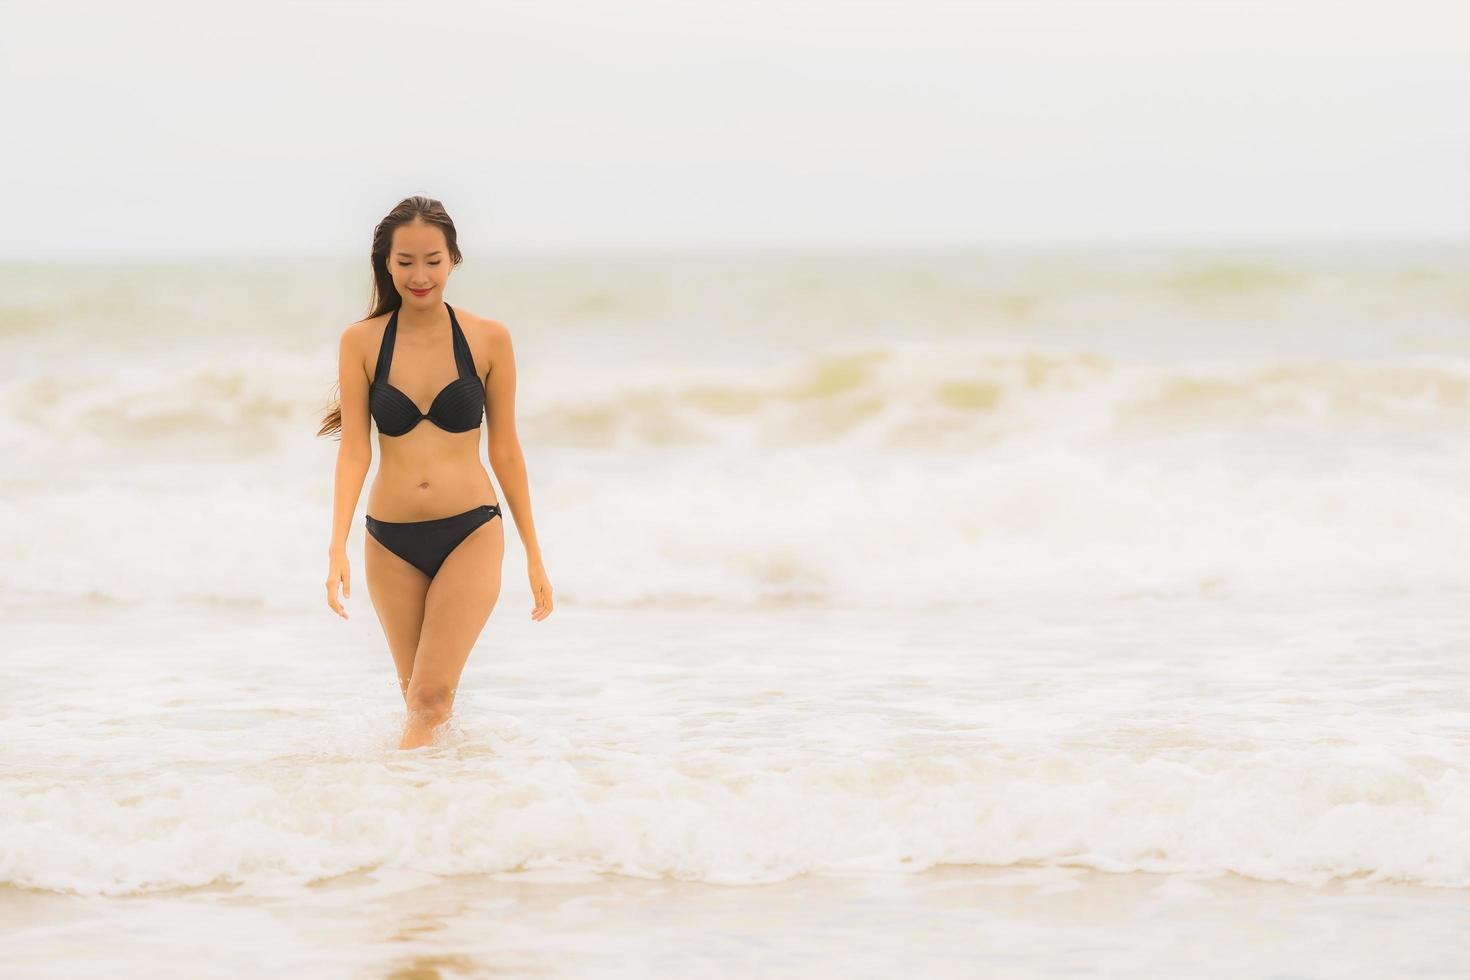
x=458, y=407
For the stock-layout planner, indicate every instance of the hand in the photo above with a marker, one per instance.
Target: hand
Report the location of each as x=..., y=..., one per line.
x=338, y=572
x=541, y=589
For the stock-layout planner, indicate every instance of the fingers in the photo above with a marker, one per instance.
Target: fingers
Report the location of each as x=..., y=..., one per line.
x=333, y=602
x=339, y=573
x=543, y=603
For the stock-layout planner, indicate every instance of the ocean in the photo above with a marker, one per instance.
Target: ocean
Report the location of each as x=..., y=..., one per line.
x=999, y=610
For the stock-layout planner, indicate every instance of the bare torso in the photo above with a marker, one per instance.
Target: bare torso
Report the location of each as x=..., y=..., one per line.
x=427, y=472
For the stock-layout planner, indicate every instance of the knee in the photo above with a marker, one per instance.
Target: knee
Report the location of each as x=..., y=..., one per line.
x=430, y=700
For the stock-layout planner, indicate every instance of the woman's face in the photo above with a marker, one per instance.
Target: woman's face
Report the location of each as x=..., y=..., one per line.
x=419, y=260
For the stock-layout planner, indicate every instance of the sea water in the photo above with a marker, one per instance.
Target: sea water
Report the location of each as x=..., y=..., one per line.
x=1017, y=610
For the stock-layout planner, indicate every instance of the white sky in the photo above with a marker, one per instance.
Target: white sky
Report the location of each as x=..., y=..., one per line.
x=136, y=128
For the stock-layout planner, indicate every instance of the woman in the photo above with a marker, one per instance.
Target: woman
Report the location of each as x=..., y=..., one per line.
x=434, y=548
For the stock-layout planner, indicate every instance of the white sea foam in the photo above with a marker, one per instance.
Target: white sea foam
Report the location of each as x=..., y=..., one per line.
x=1182, y=736
x=870, y=563
x=901, y=477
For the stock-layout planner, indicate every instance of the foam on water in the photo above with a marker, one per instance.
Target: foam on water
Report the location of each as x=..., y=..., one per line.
x=863, y=562
x=894, y=476
x=1179, y=736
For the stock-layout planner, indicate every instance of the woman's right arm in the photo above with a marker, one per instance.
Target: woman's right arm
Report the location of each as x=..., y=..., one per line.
x=354, y=458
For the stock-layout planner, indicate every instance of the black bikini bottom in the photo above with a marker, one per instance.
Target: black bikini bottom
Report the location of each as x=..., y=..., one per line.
x=425, y=544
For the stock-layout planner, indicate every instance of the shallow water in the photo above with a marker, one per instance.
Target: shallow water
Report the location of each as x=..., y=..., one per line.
x=946, y=922
x=1292, y=740
x=802, y=793
x=1045, y=614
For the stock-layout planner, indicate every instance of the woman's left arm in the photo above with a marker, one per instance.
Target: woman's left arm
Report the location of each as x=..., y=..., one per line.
x=509, y=463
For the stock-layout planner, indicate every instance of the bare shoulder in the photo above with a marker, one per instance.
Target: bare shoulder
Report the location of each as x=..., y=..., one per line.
x=365, y=334
x=359, y=341
x=371, y=323
x=351, y=336
x=488, y=329
x=485, y=333
x=360, y=330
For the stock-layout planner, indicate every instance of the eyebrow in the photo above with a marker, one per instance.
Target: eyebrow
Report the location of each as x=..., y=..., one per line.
x=410, y=254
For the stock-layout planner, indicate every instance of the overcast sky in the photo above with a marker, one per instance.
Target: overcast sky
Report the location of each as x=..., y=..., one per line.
x=144, y=127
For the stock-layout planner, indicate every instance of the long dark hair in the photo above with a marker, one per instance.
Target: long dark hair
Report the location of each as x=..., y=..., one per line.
x=385, y=296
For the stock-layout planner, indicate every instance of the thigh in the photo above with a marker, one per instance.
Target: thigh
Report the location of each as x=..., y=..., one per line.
x=397, y=590
x=457, y=606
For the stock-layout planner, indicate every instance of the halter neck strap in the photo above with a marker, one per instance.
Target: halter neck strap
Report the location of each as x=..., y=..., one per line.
x=464, y=360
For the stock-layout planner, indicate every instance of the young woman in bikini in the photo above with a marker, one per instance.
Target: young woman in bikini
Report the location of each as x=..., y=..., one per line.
x=433, y=549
